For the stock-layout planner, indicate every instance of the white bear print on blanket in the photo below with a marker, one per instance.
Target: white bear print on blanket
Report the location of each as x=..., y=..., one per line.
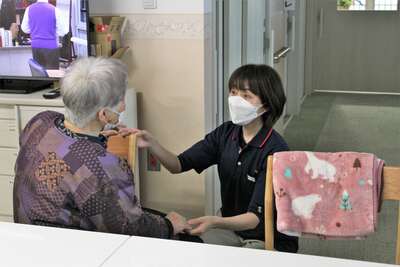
x=304, y=206
x=320, y=168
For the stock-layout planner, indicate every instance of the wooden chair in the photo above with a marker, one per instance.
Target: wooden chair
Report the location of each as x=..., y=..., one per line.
x=391, y=191
x=124, y=147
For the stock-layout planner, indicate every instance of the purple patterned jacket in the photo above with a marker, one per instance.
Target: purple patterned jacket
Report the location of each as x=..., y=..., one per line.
x=69, y=180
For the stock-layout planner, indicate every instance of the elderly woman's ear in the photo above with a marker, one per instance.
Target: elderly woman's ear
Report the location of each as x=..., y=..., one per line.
x=102, y=116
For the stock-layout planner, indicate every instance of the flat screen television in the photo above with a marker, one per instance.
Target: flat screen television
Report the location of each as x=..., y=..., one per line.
x=39, y=40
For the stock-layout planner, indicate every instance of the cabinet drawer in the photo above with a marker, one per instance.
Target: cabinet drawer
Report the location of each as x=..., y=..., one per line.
x=8, y=157
x=7, y=112
x=28, y=112
x=7, y=219
x=9, y=133
x=6, y=195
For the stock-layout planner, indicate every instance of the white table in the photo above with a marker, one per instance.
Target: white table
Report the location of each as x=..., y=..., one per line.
x=36, y=246
x=150, y=252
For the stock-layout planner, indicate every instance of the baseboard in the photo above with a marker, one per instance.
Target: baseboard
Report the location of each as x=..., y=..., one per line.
x=287, y=121
x=356, y=92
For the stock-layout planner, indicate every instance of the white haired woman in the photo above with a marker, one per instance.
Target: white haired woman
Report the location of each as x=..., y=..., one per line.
x=64, y=175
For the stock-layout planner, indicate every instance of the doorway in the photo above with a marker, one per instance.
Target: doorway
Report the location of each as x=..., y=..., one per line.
x=264, y=32
x=255, y=32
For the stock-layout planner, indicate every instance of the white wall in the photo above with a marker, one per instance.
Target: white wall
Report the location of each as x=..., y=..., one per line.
x=135, y=6
x=166, y=67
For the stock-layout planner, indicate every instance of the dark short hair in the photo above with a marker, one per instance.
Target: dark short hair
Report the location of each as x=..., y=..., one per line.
x=264, y=82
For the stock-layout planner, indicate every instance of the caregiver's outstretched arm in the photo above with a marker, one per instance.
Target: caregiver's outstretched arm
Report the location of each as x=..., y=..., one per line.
x=146, y=140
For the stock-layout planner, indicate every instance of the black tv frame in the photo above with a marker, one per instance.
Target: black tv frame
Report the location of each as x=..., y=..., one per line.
x=22, y=85
x=28, y=84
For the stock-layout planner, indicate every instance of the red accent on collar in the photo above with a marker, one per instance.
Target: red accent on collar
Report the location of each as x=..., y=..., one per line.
x=267, y=137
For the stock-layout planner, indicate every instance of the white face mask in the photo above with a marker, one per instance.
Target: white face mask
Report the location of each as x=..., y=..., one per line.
x=241, y=111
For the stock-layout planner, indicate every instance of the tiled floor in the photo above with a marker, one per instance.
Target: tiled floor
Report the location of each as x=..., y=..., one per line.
x=347, y=122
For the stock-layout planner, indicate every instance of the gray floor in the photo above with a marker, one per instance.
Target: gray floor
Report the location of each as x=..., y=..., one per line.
x=348, y=122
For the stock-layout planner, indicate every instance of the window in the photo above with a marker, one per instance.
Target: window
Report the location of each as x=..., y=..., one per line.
x=361, y=5
x=386, y=4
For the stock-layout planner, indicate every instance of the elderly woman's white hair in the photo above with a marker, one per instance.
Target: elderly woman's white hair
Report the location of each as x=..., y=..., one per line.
x=91, y=84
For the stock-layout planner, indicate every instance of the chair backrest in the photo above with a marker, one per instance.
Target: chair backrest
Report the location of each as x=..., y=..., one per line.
x=37, y=70
x=124, y=147
x=391, y=191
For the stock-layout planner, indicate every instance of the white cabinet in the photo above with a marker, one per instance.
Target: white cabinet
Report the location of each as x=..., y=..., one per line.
x=28, y=112
x=13, y=119
x=7, y=112
x=9, y=133
x=7, y=160
x=8, y=126
x=6, y=193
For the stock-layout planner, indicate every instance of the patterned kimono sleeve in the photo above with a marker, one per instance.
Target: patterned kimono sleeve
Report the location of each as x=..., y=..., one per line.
x=114, y=208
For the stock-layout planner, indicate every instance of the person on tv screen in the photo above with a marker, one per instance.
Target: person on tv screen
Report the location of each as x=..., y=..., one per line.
x=43, y=21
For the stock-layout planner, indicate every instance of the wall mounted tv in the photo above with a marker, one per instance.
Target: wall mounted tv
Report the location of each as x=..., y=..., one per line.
x=39, y=40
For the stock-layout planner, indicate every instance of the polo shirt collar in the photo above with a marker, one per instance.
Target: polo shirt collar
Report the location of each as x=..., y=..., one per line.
x=259, y=140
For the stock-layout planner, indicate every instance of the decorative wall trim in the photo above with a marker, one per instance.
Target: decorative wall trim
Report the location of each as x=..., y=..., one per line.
x=165, y=26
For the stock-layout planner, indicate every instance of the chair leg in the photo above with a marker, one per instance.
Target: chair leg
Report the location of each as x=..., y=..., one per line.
x=398, y=239
x=269, y=207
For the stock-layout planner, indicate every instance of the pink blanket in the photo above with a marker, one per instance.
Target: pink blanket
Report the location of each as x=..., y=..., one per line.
x=330, y=195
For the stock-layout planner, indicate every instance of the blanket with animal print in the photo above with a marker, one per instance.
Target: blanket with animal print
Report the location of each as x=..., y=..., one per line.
x=328, y=195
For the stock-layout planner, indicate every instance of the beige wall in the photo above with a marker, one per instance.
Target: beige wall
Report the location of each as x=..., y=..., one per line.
x=166, y=63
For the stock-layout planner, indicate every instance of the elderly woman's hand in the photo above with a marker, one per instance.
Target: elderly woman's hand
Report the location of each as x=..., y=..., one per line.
x=178, y=222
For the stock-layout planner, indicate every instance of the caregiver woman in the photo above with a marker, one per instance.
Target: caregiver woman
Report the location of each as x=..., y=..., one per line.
x=239, y=148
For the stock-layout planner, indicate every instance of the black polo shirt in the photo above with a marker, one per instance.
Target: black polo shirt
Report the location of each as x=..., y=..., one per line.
x=242, y=171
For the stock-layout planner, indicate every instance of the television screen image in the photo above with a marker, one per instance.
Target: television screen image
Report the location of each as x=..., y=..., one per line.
x=41, y=38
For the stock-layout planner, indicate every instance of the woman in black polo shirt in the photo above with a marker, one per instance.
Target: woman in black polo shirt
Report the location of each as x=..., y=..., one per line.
x=239, y=148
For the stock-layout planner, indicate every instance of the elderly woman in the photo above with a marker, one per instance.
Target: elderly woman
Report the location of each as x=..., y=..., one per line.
x=64, y=175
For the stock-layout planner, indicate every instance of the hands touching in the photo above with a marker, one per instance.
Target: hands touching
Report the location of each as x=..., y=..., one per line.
x=178, y=222
x=203, y=224
x=196, y=226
